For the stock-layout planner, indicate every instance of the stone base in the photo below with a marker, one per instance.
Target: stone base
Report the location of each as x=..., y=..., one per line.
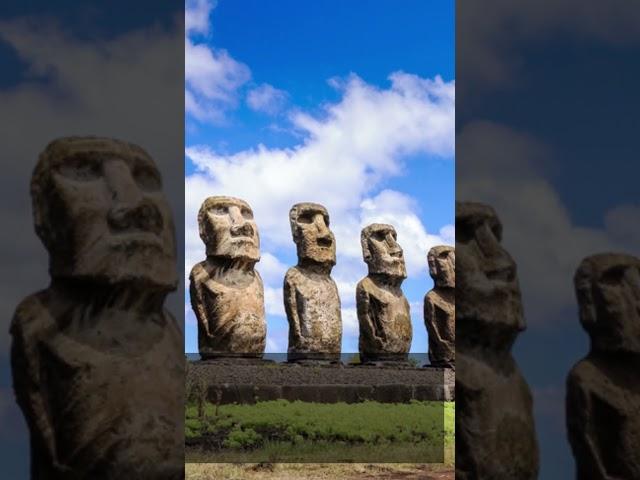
x=384, y=358
x=224, y=383
x=440, y=366
x=312, y=358
x=234, y=361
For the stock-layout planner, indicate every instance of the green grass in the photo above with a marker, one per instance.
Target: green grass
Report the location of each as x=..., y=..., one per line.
x=316, y=432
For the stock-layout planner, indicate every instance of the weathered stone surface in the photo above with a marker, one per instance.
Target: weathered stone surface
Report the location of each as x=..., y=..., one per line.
x=311, y=298
x=603, y=389
x=248, y=383
x=440, y=307
x=383, y=310
x=227, y=294
x=97, y=361
x=495, y=434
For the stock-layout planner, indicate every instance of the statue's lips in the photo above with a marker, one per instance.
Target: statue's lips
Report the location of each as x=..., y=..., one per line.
x=243, y=240
x=505, y=274
x=324, y=242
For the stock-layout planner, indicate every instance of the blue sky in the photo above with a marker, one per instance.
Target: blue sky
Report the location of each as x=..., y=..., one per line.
x=329, y=102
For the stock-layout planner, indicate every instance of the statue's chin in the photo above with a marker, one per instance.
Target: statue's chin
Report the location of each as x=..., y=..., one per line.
x=392, y=270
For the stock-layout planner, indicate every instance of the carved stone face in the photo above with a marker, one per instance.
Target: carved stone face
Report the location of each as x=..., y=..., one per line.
x=100, y=211
x=310, y=229
x=442, y=266
x=228, y=229
x=381, y=251
x=487, y=290
x=608, y=292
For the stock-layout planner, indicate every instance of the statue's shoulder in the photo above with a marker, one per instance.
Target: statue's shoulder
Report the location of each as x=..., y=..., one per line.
x=438, y=299
x=364, y=286
x=292, y=274
x=583, y=374
x=33, y=311
x=431, y=296
x=199, y=272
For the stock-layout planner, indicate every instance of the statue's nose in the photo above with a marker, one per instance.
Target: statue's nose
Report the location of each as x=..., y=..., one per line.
x=125, y=192
x=394, y=248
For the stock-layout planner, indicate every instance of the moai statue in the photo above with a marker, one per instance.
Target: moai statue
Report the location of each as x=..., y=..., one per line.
x=383, y=311
x=495, y=433
x=440, y=307
x=311, y=298
x=227, y=294
x=603, y=389
x=97, y=361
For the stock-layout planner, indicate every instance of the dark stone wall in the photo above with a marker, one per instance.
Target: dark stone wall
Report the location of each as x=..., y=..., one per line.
x=224, y=383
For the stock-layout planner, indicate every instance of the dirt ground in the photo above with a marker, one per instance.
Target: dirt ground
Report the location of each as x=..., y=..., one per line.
x=317, y=471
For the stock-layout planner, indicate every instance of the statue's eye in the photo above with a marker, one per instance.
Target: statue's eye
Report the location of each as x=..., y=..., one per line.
x=219, y=210
x=465, y=230
x=147, y=178
x=613, y=276
x=82, y=169
x=305, y=218
x=379, y=236
x=247, y=214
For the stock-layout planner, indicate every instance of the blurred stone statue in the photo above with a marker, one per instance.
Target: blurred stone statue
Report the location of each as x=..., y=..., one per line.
x=603, y=389
x=440, y=307
x=383, y=310
x=495, y=434
x=227, y=294
x=311, y=298
x=97, y=361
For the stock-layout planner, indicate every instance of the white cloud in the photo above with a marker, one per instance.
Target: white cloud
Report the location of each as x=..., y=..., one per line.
x=539, y=232
x=196, y=16
x=350, y=325
x=267, y=99
x=212, y=77
x=489, y=44
x=344, y=155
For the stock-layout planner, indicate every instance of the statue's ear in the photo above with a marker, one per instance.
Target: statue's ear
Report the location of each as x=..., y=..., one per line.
x=366, y=253
x=202, y=229
x=584, y=296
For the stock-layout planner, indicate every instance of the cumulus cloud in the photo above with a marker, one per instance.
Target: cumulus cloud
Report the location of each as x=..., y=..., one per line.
x=489, y=44
x=267, y=99
x=212, y=77
x=538, y=229
x=345, y=154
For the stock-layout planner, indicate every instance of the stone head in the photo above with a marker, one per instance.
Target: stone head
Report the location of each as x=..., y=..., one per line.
x=608, y=292
x=228, y=229
x=487, y=290
x=381, y=251
x=100, y=211
x=314, y=240
x=442, y=266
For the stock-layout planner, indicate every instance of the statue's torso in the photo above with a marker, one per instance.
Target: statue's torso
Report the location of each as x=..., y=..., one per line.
x=604, y=410
x=111, y=385
x=495, y=433
x=315, y=300
x=440, y=322
x=390, y=330
x=234, y=315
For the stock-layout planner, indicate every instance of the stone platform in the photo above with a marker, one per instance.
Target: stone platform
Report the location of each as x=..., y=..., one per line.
x=233, y=382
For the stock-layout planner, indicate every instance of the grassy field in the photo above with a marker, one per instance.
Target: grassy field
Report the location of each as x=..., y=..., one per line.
x=280, y=431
